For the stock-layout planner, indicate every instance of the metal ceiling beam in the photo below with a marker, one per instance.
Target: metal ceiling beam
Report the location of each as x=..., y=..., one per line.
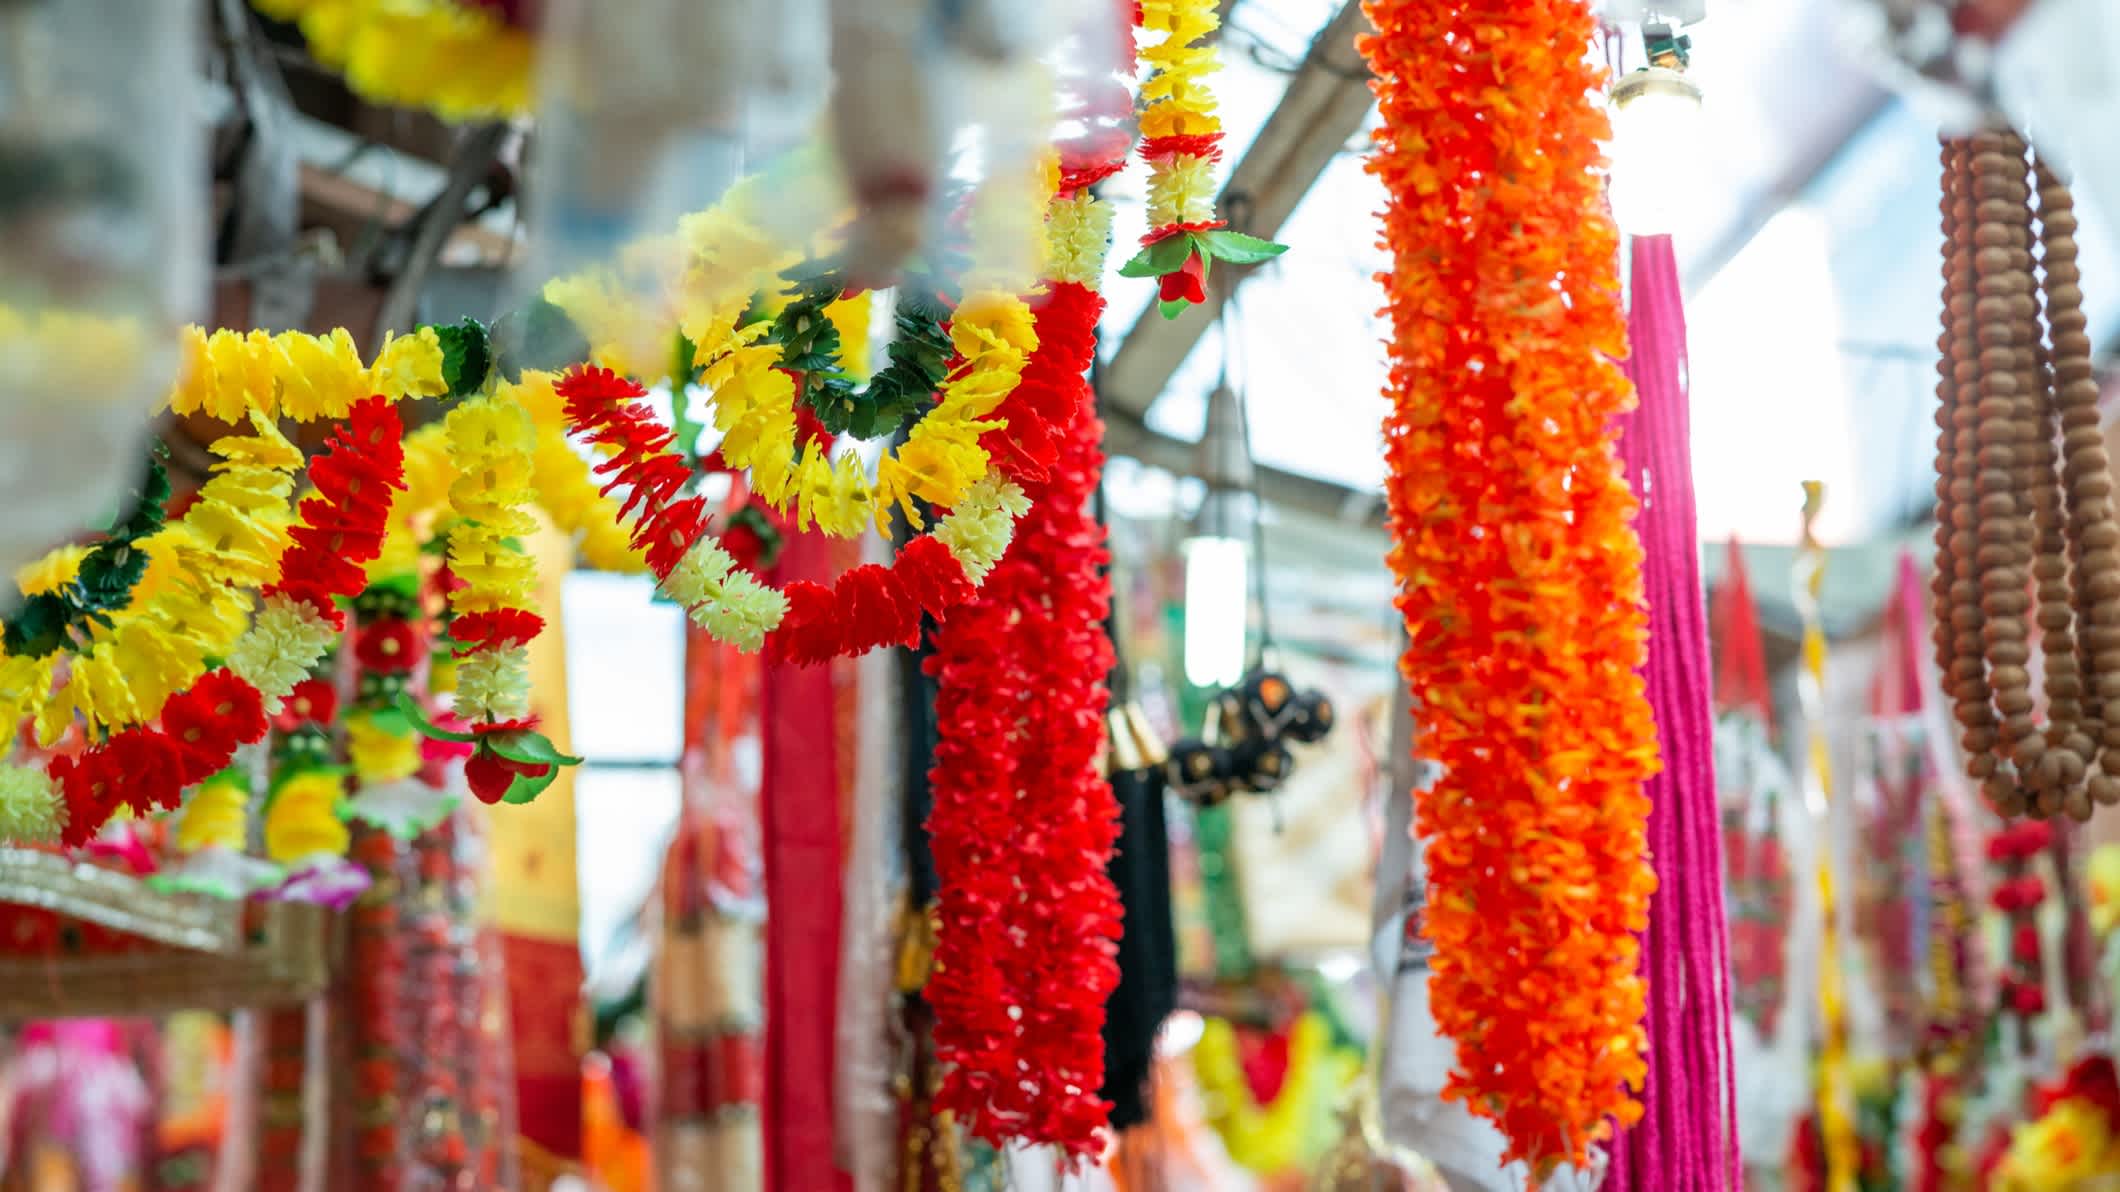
x=1326, y=101
x=1125, y=434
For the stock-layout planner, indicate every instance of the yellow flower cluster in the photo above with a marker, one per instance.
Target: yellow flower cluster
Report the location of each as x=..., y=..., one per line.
x=978, y=529
x=69, y=352
x=456, y=60
x=491, y=442
x=1181, y=189
x=428, y=475
x=282, y=646
x=30, y=809
x=191, y=605
x=303, y=818
x=722, y=598
x=1078, y=230
x=216, y=815
x=229, y=374
x=941, y=459
x=1175, y=99
x=379, y=755
x=1285, y=1133
x=2071, y=1149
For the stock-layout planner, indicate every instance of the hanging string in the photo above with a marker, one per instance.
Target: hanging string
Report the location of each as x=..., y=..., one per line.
x=1237, y=208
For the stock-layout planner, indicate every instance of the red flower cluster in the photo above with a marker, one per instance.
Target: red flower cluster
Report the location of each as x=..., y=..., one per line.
x=1022, y=823
x=313, y=701
x=341, y=528
x=608, y=410
x=1519, y=572
x=2018, y=893
x=871, y=605
x=496, y=630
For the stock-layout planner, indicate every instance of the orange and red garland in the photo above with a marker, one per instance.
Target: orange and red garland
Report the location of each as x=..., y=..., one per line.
x=1519, y=572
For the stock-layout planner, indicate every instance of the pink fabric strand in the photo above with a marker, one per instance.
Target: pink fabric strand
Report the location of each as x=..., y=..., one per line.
x=1687, y=1138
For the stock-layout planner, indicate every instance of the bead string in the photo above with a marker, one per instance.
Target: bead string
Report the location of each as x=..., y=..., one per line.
x=2017, y=540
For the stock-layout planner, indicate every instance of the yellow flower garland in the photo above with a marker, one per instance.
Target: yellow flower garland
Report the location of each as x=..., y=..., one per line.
x=216, y=815
x=457, y=61
x=379, y=754
x=490, y=442
x=1271, y=1138
x=229, y=374
x=192, y=605
x=1176, y=101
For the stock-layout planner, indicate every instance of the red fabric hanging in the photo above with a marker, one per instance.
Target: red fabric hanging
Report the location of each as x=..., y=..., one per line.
x=1741, y=659
x=799, y=812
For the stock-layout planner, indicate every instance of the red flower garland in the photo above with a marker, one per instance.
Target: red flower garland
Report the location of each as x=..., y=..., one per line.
x=341, y=528
x=1022, y=824
x=1519, y=575
x=2018, y=894
x=869, y=606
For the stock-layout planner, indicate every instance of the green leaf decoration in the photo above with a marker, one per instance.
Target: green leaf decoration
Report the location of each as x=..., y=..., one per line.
x=527, y=787
x=38, y=628
x=528, y=748
x=1221, y=244
x=539, y=336
x=809, y=340
x=1164, y=256
x=109, y=572
x=392, y=719
x=1173, y=308
x=410, y=709
x=467, y=356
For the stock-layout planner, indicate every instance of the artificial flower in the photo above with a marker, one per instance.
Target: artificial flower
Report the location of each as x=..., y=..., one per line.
x=977, y=531
x=302, y=820
x=217, y=815
x=230, y=375
x=458, y=60
x=390, y=645
x=493, y=683
x=490, y=775
x=379, y=752
x=1518, y=569
x=209, y=721
x=53, y=571
x=313, y=701
x=727, y=602
x=285, y=643
x=30, y=809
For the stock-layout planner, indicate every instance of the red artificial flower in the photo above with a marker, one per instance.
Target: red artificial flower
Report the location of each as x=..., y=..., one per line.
x=2027, y=998
x=149, y=768
x=390, y=646
x=313, y=701
x=495, y=630
x=1200, y=144
x=90, y=788
x=2024, y=943
x=342, y=527
x=1188, y=284
x=208, y=722
x=932, y=576
x=873, y=610
x=490, y=774
x=810, y=632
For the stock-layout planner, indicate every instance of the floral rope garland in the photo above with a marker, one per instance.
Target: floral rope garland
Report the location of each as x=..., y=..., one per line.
x=1519, y=575
x=460, y=60
x=1022, y=822
x=339, y=528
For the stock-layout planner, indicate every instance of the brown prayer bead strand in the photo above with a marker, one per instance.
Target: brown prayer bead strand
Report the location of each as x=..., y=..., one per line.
x=2086, y=468
x=2005, y=541
x=1952, y=488
x=1960, y=620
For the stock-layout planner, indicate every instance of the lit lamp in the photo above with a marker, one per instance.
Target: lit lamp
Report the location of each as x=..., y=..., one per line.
x=1656, y=132
x=1217, y=548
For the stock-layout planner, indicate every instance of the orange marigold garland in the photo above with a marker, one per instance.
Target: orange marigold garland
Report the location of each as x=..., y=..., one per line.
x=1519, y=574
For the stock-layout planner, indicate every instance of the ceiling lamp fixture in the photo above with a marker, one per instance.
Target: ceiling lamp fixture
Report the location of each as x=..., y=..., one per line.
x=1656, y=117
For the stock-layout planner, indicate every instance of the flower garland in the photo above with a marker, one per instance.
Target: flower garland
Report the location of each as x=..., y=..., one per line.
x=1182, y=141
x=2073, y=1143
x=1519, y=574
x=230, y=375
x=491, y=442
x=1277, y=1136
x=461, y=61
x=1021, y=817
x=2018, y=894
x=340, y=528
x=305, y=835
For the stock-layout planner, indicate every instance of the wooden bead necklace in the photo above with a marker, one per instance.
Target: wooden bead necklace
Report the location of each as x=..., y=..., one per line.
x=2021, y=526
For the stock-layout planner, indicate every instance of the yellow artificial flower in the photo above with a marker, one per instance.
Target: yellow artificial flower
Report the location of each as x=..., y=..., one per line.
x=25, y=685
x=850, y=317
x=320, y=376
x=31, y=811
x=283, y=645
x=490, y=443
x=2105, y=888
x=1175, y=98
x=1182, y=190
x=428, y=474
x=408, y=366
x=229, y=375
x=722, y=598
x=2061, y=1152
x=378, y=754
x=566, y=489
x=625, y=334
x=453, y=59
x=978, y=530
x=215, y=816
x=493, y=684
x=1078, y=230
x=303, y=818
x=50, y=573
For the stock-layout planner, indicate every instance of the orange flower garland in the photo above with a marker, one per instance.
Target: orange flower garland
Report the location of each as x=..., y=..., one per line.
x=1519, y=574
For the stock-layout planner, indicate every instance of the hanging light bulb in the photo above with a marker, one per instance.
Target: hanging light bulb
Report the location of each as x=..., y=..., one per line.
x=1217, y=549
x=1656, y=133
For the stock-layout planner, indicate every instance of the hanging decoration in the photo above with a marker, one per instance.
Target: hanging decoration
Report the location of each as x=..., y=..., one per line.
x=1181, y=141
x=2072, y=1143
x=460, y=59
x=1519, y=575
x=1687, y=1138
x=2023, y=532
x=1022, y=822
x=1244, y=748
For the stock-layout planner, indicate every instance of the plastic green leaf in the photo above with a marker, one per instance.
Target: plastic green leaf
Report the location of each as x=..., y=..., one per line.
x=1173, y=308
x=1164, y=256
x=527, y=787
x=467, y=356
x=427, y=728
x=1237, y=248
x=528, y=748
